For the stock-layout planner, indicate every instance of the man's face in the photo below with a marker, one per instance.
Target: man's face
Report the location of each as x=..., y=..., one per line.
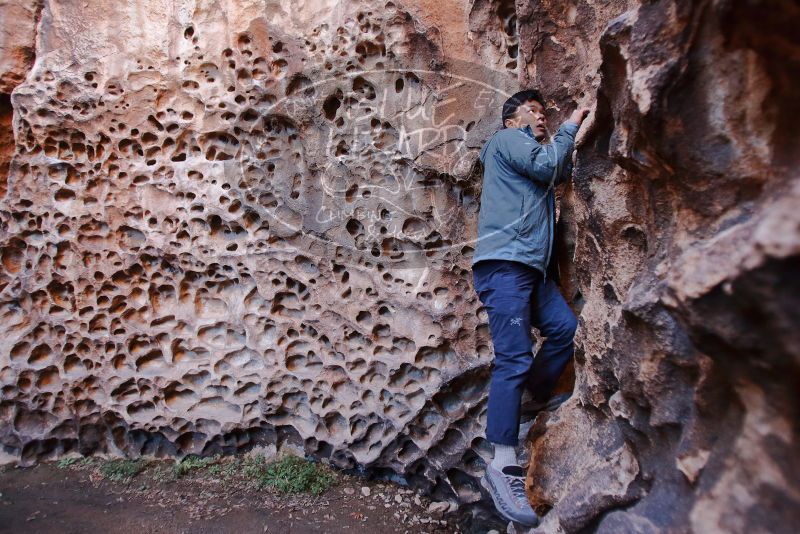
x=530, y=113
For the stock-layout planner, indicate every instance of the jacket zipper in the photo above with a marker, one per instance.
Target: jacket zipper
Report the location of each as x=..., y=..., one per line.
x=549, y=235
x=550, y=214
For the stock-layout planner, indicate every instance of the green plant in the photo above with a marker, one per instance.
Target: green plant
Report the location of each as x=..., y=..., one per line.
x=253, y=466
x=121, y=470
x=191, y=463
x=290, y=474
x=65, y=463
x=229, y=469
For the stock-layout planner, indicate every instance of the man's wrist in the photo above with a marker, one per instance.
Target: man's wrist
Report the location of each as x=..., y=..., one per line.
x=571, y=127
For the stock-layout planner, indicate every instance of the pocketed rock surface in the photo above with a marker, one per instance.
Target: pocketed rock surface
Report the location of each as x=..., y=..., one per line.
x=233, y=225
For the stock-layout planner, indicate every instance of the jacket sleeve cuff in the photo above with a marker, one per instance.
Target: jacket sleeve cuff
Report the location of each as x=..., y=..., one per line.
x=570, y=128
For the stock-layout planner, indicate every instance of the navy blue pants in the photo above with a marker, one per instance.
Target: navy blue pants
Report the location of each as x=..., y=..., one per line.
x=515, y=297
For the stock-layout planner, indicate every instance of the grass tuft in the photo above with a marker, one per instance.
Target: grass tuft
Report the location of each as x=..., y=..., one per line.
x=193, y=463
x=290, y=474
x=121, y=470
x=74, y=462
x=66, y=463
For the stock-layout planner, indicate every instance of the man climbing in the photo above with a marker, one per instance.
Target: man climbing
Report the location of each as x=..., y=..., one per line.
x=510, y=275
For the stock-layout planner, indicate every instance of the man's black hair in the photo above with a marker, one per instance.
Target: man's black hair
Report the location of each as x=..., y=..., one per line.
x=517, y=99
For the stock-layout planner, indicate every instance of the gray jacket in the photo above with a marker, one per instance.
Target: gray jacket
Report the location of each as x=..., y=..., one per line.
x=517, y=215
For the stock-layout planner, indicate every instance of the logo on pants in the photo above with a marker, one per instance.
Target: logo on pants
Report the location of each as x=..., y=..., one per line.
x=516, y=321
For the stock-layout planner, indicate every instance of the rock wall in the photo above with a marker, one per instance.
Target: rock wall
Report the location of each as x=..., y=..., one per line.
x=232, y=224
x=685, y=233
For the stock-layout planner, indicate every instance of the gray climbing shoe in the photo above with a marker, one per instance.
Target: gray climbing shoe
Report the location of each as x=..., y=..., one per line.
x=507, y=488
x=530, y=409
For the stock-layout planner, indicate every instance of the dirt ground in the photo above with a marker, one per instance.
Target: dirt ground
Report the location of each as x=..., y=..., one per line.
x=78, y=498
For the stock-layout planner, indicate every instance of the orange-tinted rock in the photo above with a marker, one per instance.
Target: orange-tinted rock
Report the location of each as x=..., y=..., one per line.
x=686, y=243
x=17, y=45
x=224, y=228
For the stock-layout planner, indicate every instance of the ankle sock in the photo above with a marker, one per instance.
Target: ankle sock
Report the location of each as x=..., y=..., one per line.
x=503, y=455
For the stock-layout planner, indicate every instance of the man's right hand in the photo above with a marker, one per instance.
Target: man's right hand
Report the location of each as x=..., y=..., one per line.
x=579, y=115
